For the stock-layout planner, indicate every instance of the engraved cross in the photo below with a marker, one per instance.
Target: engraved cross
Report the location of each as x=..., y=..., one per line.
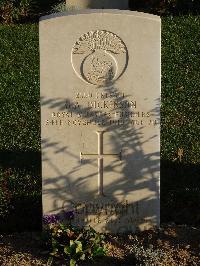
x=100, y=156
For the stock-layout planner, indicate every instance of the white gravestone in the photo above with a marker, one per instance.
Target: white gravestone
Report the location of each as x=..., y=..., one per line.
x=100, y=98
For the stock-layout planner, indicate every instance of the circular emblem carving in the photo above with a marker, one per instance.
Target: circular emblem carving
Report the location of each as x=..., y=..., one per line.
x=99, y=57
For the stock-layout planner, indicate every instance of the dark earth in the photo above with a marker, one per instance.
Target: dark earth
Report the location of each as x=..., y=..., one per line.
x=171, y=245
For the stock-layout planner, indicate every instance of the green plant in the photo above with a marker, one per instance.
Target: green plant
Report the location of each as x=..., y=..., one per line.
x=63, y=7
x=17, y=11
x=13, y=11
x=73, y=245
x=60, y=7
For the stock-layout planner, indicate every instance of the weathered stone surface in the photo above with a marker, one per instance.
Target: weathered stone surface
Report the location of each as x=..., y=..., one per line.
x=100, y=97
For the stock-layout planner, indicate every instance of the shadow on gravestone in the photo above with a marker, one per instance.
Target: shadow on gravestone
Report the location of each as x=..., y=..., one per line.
x=127, y=196
x=141, y=164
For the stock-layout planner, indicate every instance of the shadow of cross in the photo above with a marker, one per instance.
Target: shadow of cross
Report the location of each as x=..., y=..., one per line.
x=100, y=156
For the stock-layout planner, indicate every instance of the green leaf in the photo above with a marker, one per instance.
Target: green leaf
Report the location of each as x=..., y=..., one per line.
x=79, y=246
x=54, y=252
x=71, y=243
x=67, y=250
x=99, y=252
x=50, y=261
x=72, y=262
x=82, y=257
x=62, y=226
x=54, y=243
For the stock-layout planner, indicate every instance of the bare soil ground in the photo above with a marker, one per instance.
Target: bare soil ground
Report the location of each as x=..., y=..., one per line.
x=171, y=246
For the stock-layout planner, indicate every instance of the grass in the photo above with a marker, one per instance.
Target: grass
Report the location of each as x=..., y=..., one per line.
x=20, y=175
x=180, y=184
x=19, y=62
x=180, y=88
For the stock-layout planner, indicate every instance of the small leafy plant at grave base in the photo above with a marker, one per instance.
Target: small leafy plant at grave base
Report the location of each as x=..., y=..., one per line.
x=72, y=244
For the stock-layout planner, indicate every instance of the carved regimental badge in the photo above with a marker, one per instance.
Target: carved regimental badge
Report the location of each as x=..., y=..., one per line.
x=99, y=57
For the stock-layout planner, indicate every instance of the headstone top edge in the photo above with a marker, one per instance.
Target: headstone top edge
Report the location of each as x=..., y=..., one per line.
x=101, y=11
